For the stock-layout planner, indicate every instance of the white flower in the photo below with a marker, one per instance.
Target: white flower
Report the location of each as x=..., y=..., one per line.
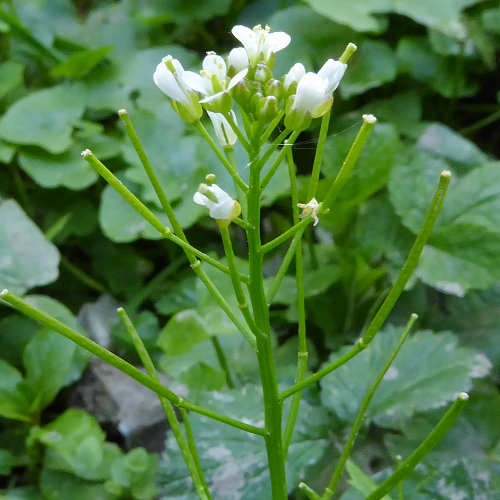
x=297, y=71
x=312, y=208
x=313, y=97
x=225, y=208
x=238, y=59
x=213, y=81
x=168, y=78
x=224, y=132
x=260, y=44
x=333, y=71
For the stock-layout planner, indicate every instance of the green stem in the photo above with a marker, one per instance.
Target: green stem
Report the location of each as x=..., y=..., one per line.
x=222, y=361
x=28, y=37
x=302, y=352
x=242, y=223
x=481, y=123
x=238, y=289
x=272, y=169
x=120, y=363
x=298, y=227
x=318, y=156
x=360, y=415
x=232, y=171
x=272, y=126
x=394, y=294
x=58, y=226
x=351, y=159
x=272, y=403
x=406, y=467
x=273, y=289
x=308, y=491
x=139, y=207
x=192, y=446
x=186, y=451
x=237, y=131
x=240, y=193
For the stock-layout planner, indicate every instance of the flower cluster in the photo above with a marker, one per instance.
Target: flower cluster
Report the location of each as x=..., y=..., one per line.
x=246, y=77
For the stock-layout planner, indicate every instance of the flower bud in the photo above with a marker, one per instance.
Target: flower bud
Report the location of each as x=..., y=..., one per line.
x=211, y=179
x=262, y=73
x=292, y=78
x=274, y=88
x=224, y=132
x=266, y=109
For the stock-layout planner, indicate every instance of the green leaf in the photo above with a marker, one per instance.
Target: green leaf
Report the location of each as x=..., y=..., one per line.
x=180, y=296
x=361, y=481
x=45, y=117
x=203, y=377
x=15, y=332
x=67, y=169
x=464, y=249
x=373, y=65
x=57, y=485
x=13, y=403
x=75, y=443
x=136, y=471
x=121, y=223
x=47, y=359
x=27, y=259
x=357, y=14
x=80, y=63
x=446, y=143
x=11, y=76
x=235, y=464
x=430, y=371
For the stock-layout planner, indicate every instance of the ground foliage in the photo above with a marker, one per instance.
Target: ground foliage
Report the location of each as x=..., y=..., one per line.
x=428, y=70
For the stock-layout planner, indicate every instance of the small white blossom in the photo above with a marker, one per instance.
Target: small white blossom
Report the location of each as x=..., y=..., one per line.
x=312, y=208
x=225, y=208
x=213, y=81
x=168, y=77
x=332, y=71
x=224, y=132
x=238, y=59
x=260, y=44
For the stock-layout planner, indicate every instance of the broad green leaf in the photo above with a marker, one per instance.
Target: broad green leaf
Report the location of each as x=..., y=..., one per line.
x=57, y=485
x=203, y=377
x=80, y=63
x=372, y=66
x=476, y=318
x=6, y=152
x=27, y=259
x=446, y=143
x=67, y=169
x=464, y=249
x=355, y=13
x=45, y=117
x=121, y=223
x=11, y=76
x=15, y=332
x=180, y=296
x=13, y=403
x=75, y=443
x=136, y=471
x=315, y=283
x=444, y=15
x=372, y=169
x=360, y=481
x=429, y=371
x=235, y=464
x=47, y=360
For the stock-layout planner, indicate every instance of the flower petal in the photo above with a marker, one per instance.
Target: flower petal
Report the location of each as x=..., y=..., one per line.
x=167, y=83
x=333, y=71
x=197, y=82
x=277, y=41
x=237, y=78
